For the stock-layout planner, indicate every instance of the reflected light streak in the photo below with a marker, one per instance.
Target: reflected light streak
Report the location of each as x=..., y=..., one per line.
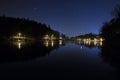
x=93, y=42
x=81, y=47
x=60, y=42
x=46, y=43
x=52, y=43
x=89, y=43
x=19, y=45
x=101, y=44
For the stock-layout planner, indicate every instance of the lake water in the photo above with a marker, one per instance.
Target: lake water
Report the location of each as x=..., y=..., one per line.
x=55, y=60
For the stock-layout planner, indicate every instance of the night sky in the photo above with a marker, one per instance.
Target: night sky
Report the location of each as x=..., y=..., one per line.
x=71, y=17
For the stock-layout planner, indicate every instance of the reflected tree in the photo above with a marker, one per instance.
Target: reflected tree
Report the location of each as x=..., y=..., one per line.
x=30, y=51
x=111, y=54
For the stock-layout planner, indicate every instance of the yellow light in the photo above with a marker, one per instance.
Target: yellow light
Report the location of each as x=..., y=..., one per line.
x=19, y=45
x=84, y=39
x=101, y=39
x=95, y=43
x=52, y=43
x=18, y=37
x=46, y=37
x=95, y=39
x=60, y=37
x=46, y=43
x=89, y=42
x=101, y=43
x=19, y=34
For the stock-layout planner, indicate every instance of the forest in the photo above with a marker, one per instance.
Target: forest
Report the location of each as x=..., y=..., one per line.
x=10, y=26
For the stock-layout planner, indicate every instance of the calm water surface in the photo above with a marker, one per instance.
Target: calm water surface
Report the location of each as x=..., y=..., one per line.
x=54, y=60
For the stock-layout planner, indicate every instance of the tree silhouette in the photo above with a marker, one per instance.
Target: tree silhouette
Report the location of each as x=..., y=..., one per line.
x=110, y=51
x=111, y=30
x=31, y=28
x=116, y=11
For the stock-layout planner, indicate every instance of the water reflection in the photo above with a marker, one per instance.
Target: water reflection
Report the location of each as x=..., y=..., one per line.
x=89, y=43
x=46, y=43
x=26, y=50
x=60, y=42
x=18, y=44
x=52, y=43
x=111, y=54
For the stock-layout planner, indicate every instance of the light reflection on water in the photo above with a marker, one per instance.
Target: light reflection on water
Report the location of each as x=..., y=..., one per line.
x=89, y=43
x=68, y=59
x=52, y=43
x=18, y=44
x=22, y=50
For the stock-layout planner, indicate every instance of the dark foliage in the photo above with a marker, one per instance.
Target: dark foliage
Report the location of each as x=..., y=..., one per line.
x=111, y=30
x=31, y=28
x=110, y=51
x=89, y=35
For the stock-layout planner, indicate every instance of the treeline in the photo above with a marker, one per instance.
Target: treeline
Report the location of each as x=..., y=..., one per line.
x=10, y=26
x=111, y=29
x=86, y=36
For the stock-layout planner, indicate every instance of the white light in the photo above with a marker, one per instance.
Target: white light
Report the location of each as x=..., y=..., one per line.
x=60, y=42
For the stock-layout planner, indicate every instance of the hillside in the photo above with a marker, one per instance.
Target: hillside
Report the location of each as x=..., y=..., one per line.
x=10, y=26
